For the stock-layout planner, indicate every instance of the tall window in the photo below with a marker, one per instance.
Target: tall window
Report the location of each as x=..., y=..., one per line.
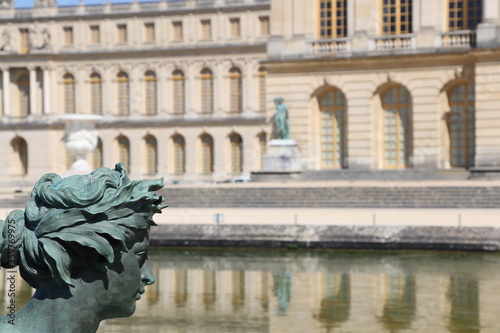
x=68, y=36
x=177, y=31
x=123, y=94
x=332, y=18
x=262, y=90
x=179, y=155
x=121, y=31
x=69, y=93
x=396, y=103
x=235, y=90
x=234, y=28
x=23, y=85
x=207, y=91
x=124, y=152
x=151, y=155
x=264, y=25
x=333, y=129
x=150, y=86
x=206, y=29
x=178, y=92
x=464, y=14
x=24, y=41
x=20, y=158
x=207, y=151
x=396, y=17
x=236, y=153
x=149, y=32
x=461, y=125
x=97, y=155
x=95, y=93
x=95, y=34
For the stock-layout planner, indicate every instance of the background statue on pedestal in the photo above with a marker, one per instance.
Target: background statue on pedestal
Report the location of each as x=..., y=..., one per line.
x=82, y=243
x=281, y=121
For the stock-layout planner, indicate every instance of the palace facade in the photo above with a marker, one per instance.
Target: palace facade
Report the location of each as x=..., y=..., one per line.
x=186, y=88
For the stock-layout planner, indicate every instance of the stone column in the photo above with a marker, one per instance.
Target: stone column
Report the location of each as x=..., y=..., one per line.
x=488, y=29
x=33, y=97
x=6, y=90
x=46, y=90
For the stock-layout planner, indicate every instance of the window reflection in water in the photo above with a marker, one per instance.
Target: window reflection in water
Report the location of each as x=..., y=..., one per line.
x=208, y=288
x=282, y=290
x=181, y=292
x=238, y=292
x=336, y=302
x=463, y=294
x=400, y=301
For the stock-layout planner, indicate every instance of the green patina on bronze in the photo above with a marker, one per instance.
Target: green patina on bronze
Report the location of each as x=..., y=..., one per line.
x=73, y=239
x=281, y=121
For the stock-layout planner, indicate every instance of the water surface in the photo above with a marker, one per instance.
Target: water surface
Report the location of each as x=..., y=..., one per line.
x=315, y=291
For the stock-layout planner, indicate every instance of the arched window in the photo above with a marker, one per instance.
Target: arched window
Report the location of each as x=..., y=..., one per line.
x=123, y=94
x=23, y=85
x=332, y=19
x=207, y=152
x=262, y=90
x=97, y=155
x=333, y=108
x=235, y=90
x=397, y=125
x=178, y=92
x=151, y=155
x=69, y=93
x=262, y=137
x=461, y=125
x=207, y=91
x=20, y=156
x=179, y=154
x=464, y=14
x=124, y=152
x=236, y=153
x=150, y=86
x=396, y=17
x=96, y=93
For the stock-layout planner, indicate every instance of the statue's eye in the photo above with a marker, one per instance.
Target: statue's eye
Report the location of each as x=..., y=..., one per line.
x=141, y=256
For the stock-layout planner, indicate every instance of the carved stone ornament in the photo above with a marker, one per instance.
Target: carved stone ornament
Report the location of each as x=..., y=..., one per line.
x=82, y=243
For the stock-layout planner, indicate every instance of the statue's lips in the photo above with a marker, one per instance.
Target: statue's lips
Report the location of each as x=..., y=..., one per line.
x=138, y=295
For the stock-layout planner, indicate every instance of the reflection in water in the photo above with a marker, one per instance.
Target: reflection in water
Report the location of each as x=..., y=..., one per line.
x=238, y=294
x=464, y=298
x=282, y=290
x=208, y=288
x=181, y=291
x=400, y=301
x=201, y=291
x=336, y=302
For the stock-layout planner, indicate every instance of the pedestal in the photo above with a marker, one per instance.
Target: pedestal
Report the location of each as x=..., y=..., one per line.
x=281, y=162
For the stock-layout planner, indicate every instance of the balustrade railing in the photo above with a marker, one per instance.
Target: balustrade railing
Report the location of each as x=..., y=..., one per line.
x=337, y=46
x=395, y=42
x=458, y=39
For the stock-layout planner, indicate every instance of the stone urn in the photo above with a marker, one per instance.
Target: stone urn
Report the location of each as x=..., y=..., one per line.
x=80, y=138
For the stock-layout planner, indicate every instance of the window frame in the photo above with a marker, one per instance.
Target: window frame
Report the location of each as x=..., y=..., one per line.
x=332, y=12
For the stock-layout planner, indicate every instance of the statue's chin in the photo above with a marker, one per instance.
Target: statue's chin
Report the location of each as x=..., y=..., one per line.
x=120, y=313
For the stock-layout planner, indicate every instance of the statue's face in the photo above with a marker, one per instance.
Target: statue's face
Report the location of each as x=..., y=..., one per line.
x=127, y=279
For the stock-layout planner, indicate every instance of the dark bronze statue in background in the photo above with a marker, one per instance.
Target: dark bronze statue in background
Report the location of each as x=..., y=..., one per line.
x=82, y=243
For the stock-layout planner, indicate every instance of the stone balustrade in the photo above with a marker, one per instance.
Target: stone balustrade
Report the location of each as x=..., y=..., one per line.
x=459, y=39
x=126, y=7
x=337, y=46
x=395, y=42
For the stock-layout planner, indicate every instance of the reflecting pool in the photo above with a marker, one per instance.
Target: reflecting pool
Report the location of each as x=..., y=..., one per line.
x=315, y=291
